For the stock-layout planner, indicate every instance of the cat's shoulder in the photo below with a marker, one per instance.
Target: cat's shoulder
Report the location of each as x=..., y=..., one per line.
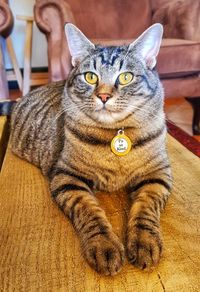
x=40, y=98
x=50, y=89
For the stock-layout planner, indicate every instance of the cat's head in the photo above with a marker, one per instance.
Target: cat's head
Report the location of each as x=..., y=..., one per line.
x=111, y=84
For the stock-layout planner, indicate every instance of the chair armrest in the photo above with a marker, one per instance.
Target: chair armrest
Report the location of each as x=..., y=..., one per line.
x=180, y=19
x=50, y=17
x=6, y=19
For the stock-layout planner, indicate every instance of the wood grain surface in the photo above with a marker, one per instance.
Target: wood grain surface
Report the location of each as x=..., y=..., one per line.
x=2, y=125
x=39, y=250
x=3, y=137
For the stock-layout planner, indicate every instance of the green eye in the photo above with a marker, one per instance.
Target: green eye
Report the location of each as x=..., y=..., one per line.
x=91, y=77
x=125, y=78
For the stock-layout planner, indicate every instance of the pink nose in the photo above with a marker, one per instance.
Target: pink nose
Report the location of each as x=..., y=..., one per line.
x=104, y=96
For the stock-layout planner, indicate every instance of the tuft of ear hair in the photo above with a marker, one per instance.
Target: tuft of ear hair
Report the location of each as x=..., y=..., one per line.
x=148, y=44
x=78, y=43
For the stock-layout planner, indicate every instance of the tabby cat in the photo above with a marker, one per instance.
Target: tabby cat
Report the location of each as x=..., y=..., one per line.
x=66, y=128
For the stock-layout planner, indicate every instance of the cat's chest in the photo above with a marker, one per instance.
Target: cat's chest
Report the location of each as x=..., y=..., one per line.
x=97, y=162
x=109, y=171
x=114, y=172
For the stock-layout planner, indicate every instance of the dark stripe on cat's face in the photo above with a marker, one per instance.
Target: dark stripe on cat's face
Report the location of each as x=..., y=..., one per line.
x=109, y=55
x=95, y=64
x=145, y=79
x=121, y=64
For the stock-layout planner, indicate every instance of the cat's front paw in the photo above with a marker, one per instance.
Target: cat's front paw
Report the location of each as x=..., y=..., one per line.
x=144, y=248
x=104, y=253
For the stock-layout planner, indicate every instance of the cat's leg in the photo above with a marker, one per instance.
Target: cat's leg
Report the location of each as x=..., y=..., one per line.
x=144, y=241
x=100, y=246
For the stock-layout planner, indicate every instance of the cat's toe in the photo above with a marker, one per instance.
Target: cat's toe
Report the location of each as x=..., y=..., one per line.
x=104, y=254
x=144, y=249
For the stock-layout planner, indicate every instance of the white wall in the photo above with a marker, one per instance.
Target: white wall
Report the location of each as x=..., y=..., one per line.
x=39, y=47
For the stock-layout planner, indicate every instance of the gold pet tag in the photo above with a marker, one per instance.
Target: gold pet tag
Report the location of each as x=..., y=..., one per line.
x=121, y=144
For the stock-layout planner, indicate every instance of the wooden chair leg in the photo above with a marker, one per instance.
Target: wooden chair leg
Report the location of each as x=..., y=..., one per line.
x=27, y=52
x=30, y=79
x=27, y=57
x=3, y=81
x=195, y=103
x=13, y=58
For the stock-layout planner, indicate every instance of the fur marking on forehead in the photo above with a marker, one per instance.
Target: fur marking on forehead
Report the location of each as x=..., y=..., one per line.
x=108, y=55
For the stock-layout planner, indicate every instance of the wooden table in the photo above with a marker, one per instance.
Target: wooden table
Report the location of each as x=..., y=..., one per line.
x=39, y=250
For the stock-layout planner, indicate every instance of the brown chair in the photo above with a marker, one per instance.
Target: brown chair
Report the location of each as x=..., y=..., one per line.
x=117, y=22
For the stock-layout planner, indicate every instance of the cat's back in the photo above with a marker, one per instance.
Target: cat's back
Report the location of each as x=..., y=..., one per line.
x=33, y=124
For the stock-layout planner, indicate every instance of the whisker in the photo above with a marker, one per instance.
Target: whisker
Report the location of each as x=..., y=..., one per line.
x=141, y=109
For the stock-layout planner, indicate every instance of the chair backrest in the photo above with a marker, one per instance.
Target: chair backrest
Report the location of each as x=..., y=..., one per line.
x=6, y=19
x=103, y=19
x=112, y=19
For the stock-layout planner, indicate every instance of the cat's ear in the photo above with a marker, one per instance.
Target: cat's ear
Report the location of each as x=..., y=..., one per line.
x=79, y=45
x=148, y=44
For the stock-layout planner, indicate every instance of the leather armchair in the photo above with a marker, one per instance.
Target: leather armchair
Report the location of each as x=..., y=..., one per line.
x=118, y=22
x=6, y=25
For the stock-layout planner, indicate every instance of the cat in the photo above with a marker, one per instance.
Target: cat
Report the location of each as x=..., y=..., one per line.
x=102, y=129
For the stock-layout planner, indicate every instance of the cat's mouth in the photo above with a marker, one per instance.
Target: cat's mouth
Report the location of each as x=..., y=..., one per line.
x=109, y=116
x=107, y=109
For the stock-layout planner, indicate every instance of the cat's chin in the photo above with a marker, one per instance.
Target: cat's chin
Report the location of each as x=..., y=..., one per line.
x=109, y=118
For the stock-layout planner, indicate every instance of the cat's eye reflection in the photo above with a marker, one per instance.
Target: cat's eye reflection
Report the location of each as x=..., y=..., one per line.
x=125, y=78
x=91, y=77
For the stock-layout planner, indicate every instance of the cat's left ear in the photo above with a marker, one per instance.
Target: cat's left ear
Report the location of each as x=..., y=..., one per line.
x=79, y=45
x=148, y=44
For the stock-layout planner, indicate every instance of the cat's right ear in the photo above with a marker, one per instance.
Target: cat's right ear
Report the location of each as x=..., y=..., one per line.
x=79, y=45
x=148, y=44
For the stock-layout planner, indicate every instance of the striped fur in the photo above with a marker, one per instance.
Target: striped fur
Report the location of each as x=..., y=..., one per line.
x=62, y=129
